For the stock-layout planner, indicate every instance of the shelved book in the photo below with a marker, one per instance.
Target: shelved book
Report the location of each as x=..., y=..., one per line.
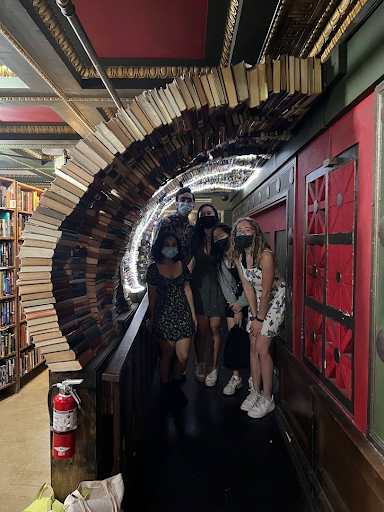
x=6, y=254
x=29, y=360
x=7, y=195
x=7, y=371
x=7, y=343
x=6, y=224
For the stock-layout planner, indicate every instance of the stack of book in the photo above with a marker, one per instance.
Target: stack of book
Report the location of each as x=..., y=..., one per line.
x=75, y=239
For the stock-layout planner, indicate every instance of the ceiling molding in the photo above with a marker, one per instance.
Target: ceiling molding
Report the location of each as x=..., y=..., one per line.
x=5, y=72
x=36, y=129
x=340, y=20
x=282, y=6
x=307, y=49
x=38, y=154
x=229, y=32
x=4, y=31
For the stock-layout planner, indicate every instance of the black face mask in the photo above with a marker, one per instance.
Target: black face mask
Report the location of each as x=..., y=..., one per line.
x=208, y=221
x=243, y=241
x=222, y=245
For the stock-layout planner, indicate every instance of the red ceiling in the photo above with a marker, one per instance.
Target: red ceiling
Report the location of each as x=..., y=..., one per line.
x=28, y=115
x=147, y=29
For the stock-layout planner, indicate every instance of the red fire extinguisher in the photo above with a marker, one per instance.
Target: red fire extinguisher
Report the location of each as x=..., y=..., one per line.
x=63, y=418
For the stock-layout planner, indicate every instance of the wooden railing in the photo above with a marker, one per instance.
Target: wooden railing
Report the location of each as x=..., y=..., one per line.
x=127, y=381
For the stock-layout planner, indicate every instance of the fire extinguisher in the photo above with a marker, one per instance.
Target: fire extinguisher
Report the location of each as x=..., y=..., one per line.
x=63, y=418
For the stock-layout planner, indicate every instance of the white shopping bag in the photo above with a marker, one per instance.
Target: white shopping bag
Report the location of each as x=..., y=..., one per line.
x=97, y=496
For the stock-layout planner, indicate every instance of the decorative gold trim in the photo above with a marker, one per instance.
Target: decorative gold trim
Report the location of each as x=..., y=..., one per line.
x=340, y=11
x=145, y=72
x=5, y=72
x=109, y=112
x=351, y=16
x=315, y=33
x=37, y=154
x=273, y=28
x=36, y=129
x=35, y=169
x=229, y=32
x=50, y=20
x=41, y=72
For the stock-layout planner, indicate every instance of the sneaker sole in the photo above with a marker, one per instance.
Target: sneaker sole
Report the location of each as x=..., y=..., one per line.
x=200, y=379
x=245, y=408
x=271, y=409
x=233, y=392
x=210, y=385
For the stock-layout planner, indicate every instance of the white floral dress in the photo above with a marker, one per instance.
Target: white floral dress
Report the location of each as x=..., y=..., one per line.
x=275, y=314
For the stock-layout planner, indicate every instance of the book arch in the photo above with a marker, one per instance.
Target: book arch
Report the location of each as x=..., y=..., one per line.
x=118, y=181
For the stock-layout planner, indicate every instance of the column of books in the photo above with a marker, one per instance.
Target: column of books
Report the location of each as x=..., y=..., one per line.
x=8, y=327
x=30, y=356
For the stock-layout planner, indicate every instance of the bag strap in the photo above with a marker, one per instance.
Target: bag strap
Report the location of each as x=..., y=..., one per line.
x=42, y=490
x=80, y=501
x=111, y=496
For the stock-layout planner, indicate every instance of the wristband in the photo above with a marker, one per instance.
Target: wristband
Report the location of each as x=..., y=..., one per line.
x=256, y=318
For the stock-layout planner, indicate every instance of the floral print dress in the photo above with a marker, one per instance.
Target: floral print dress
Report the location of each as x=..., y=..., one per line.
x=275, y=314
x=172, y=320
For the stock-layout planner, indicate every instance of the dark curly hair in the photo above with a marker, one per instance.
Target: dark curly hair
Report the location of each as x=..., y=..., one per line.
x=157, y=247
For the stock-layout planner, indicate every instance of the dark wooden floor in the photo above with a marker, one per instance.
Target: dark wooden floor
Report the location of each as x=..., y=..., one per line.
x=210, y=457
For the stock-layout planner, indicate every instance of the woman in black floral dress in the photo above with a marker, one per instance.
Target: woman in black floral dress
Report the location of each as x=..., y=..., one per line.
x=173, y=319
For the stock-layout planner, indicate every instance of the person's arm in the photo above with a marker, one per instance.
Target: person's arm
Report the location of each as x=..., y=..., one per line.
x=267, y=265
x=251, y=298
x=188, y=294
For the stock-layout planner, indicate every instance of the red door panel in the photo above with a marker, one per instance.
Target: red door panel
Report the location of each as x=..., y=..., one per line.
x=340, y=277
x=314, y=337
x=315, y=272
x=316, y=206
x=338, y=356
x=341, y=199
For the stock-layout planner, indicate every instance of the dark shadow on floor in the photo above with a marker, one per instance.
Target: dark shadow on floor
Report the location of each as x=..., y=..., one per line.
x=211, y=457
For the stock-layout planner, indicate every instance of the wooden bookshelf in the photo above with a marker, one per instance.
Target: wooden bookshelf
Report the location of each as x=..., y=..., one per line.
x=29, y=357
x=17, y=202
x=9, y=339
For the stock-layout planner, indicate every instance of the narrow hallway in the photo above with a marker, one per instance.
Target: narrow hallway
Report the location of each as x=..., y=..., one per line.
x=212, y=457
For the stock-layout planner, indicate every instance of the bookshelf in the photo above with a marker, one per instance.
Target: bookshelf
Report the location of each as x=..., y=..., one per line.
x=29, y=357
x=18, y=355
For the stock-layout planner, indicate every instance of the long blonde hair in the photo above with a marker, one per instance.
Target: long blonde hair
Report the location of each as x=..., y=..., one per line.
x=259, y=243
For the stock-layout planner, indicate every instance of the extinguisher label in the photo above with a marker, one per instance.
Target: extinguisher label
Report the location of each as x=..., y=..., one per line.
x=64, y=421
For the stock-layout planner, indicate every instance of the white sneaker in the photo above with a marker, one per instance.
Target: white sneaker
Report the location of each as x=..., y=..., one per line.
x=211, y=378
x=200, y=372
x=251, y=400
x=263, y=407
x=233, y=385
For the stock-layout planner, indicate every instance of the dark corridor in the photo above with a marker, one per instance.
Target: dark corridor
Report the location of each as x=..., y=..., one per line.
x=212, y=457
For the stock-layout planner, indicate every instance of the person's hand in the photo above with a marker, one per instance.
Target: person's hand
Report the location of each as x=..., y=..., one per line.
x=235, y=307
x=256, y=328
x=194, y=318
x=238, y=317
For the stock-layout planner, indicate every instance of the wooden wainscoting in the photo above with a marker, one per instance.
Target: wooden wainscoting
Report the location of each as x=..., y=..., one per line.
x=340, y=468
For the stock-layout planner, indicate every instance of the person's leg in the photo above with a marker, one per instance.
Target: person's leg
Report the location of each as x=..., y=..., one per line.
x=167, y=350
x=182, y=353
x=254, y=389
x=201, y=337
x=235, y=382
x=266, y=403
x=263, y=344
x=215, y=325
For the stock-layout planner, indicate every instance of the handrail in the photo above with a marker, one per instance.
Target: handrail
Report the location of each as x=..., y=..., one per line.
x=116, y=365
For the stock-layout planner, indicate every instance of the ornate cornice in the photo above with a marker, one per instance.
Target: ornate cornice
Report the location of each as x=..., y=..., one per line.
x=53, y=24
x=145, y=72
x=229, y=32
x=326, y=14
x=50, y=20
x=343, y=27
x=37, y=154
x=109, y=112
x=5, y=72
x=277, y=17
x=36, y=129
x=335, y=19
x=5, y=32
